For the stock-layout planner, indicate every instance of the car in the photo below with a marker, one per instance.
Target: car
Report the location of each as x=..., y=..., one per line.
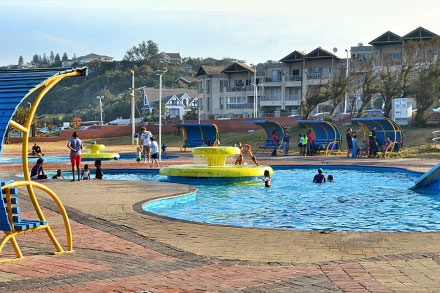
x=374, y=111
x=83, y=127
x=43, y=130
x=435, y=110
x=318, y=114
x=94, y=127
x=293, y=115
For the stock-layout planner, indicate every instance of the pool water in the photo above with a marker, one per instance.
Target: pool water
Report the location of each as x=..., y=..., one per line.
x=358, y=200
x=56, y=159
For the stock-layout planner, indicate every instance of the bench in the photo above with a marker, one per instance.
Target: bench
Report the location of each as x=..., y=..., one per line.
x=323, y=145
x=269, y=144
x=10, y=221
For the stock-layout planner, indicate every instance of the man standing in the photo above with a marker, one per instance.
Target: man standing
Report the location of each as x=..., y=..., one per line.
x=75, y=146
x=309, y=142
x=146, y=142
x=286, y=141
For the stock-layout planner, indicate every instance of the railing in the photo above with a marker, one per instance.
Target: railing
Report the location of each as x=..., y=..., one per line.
x=293, y=97
x=240, y=106
x=270, y=98
x=436, y=137
x=236, y=89
x=271, y=79
x=314, y=76
x=293, y=78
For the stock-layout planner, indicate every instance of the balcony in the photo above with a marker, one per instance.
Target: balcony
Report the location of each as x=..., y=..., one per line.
x=293, y=97
x=271, y=98
x=236, y=89
x=293, y=78
x=240, y=106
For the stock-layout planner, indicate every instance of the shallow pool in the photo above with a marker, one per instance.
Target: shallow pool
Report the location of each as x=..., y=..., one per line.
x=358, y=200
x=56, y=159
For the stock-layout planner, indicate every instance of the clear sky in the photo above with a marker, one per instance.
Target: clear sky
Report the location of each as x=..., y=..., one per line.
x=250, y=30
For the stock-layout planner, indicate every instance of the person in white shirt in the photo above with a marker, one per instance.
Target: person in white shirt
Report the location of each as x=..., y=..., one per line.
x=146, y=141
x=154, y=152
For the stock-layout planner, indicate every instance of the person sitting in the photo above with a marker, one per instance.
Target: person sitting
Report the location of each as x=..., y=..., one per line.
x=387, y=146
x=319, y=178
x=36, y=150
x=37, y=171
x=86, y=173
x=59, y=175
x=364, y=149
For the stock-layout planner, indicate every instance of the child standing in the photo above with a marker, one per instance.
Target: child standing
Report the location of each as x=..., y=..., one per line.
x=247, y=150
x=98, y=174
x=86, y=173
x=266, y=178
x=354, y=146
x=154, y=151
x=138, y=154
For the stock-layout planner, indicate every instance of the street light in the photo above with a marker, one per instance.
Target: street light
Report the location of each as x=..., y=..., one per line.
x=160, y=73
x=100, y=107
x=346, y=76
x=255, y=91
x=132, y=108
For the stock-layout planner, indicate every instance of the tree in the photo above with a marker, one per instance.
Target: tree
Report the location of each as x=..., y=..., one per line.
x=336, y=89
x=425, y=80
x=36, y=60
x=147, y=53
x=76, y=122
x=51, y=57
x=367, y=84
x=393, y=80
x=57, y=58
x=44, y=60
x=315, y=95
x=20, y=60
x=65, y=57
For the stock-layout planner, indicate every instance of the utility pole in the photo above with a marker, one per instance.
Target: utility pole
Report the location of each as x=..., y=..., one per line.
x=346, y=92
x=255, y=91
x=100, y=107
x=160, y=72
x=133, y=123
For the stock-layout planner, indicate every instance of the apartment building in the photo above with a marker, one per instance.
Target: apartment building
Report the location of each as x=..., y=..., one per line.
x=229, y=92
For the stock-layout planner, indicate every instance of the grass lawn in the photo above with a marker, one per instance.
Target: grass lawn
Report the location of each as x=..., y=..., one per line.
x=417, y=141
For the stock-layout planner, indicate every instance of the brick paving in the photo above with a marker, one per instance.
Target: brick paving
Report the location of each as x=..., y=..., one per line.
x=119, y=248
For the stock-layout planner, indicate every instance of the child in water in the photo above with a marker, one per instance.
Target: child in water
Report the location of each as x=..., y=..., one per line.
x=330, y=178
x=319, y=178
x=59, y=175
x=266, y=178
x=138, y=154
x=99, y=173
x=86, y=173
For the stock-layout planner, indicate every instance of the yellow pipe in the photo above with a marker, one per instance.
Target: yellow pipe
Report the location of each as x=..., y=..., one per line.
x=60, y=208
x=18, y=126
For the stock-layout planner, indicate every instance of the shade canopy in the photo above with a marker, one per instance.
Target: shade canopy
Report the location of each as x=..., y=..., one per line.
x=200, y=133
x=269, y=127
x=16, y=85
x=323, y=131
x=385, y=127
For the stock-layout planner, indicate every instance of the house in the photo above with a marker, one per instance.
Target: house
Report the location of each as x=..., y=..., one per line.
x=187, y=68
x=93, y=57
x=171, y=57
x=177, y=105
x=186, y=81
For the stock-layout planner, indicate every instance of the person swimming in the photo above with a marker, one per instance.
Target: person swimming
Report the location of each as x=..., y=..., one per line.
x=319, y=178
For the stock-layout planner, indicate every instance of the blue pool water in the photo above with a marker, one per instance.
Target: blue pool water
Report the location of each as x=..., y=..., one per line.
x=358, y=200
x=56, y=159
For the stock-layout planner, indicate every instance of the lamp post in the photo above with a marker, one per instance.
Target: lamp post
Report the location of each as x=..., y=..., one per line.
x=255, y=91
x=346, y=76
x=133, y=123
x=160, y=72
x=100, y=107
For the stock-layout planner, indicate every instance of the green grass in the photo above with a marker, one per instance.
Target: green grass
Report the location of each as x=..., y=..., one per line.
x=417, y=141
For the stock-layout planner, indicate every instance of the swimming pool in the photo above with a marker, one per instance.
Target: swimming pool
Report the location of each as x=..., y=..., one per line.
x=358, y=200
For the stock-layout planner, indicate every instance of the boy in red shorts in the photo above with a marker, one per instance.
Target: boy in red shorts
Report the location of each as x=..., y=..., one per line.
x=75, y=146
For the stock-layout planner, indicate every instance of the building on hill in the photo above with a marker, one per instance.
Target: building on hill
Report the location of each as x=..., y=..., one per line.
x=283, y=85
x=177, y=105
x=209, y=60
x=93, y=57
x=187, y=68
x=186, y=81
x=171, y=57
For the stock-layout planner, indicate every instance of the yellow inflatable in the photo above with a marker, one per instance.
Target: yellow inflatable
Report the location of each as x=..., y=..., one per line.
x=216, y=167
x=96, y=155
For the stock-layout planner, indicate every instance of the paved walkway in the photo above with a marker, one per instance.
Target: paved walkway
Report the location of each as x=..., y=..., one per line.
x=118, y=247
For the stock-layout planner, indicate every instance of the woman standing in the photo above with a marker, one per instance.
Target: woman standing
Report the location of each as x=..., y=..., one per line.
x=348, y=137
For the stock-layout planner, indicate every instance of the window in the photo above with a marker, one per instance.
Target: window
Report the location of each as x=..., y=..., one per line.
x=208, y=86
x=293, y=94
x=200, y=102
x=315, y=72
x=221, y=103
x=208, y=104
x=200, y=87
x=276, y=75
x=275, y=94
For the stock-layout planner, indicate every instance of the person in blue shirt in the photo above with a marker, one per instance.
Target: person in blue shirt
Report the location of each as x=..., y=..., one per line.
x=319, y=178
x=354, y=143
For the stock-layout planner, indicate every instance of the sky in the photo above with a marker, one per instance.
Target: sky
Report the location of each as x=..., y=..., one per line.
x=250, y=30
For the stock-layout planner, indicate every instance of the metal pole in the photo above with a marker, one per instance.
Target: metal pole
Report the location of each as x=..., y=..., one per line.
x=160, y=113
x=100, y=107
x=346, y=75
x=255, y=92
x=133, y=123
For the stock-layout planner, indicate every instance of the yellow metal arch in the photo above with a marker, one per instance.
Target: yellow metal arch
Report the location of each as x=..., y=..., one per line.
x=25, y=129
